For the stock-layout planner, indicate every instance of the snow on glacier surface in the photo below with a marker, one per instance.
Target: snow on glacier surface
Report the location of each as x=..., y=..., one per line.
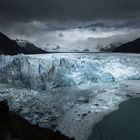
x=73, y=111
x=54, y=70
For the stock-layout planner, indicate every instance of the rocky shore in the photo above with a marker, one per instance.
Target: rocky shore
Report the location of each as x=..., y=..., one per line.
x=13, y=127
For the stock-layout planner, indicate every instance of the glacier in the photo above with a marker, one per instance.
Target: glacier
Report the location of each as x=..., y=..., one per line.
x=56, y=70
x=68, y=92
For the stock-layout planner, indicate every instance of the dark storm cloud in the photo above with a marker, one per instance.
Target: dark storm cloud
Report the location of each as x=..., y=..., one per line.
x=66, y=10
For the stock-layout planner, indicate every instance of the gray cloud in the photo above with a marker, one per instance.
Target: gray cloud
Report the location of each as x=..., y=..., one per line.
x=67, y=10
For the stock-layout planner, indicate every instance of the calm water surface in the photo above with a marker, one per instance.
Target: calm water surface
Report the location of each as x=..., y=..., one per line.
x=122, y=124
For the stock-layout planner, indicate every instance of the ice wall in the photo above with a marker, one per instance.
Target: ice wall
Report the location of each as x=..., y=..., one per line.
x=53, y=70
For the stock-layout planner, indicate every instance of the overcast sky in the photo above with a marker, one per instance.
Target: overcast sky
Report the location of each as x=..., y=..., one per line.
x=83, y=10
x=33, y=19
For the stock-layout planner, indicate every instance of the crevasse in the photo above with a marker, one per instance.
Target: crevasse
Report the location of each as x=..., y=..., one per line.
x=54, y=70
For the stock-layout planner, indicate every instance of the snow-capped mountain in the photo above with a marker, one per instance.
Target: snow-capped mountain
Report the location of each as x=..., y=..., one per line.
x=109, y=48
x=10, y=47
x=14, y=47
x=30, y=47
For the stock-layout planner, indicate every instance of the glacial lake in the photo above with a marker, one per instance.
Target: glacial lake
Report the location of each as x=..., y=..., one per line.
x=122, y=124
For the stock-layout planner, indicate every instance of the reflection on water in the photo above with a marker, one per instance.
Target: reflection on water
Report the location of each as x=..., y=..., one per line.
x=122, y=124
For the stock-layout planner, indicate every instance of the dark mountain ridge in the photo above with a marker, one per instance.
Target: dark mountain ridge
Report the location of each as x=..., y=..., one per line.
x=10, y=47
x=130, y=47
x=30, y=47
